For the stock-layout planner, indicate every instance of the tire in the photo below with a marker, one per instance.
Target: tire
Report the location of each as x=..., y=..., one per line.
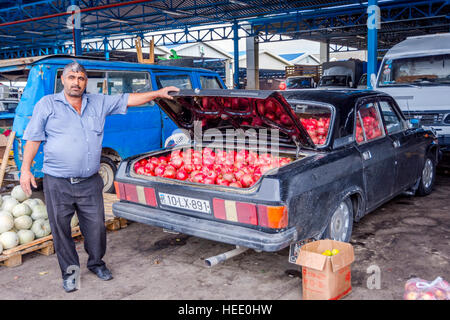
x=341, y=223
x=427, y=178
x=107, y=171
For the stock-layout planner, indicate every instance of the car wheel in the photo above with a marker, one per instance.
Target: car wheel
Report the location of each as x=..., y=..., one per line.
x=341, y=223
x=427, y=178
x=107, y=172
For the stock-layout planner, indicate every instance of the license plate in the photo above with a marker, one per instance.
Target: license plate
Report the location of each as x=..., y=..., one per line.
x=181, y=202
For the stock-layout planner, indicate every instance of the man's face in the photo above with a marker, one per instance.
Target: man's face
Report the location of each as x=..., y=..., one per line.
x=74, y=83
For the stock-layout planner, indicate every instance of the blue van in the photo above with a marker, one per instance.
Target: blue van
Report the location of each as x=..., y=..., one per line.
x=142, y=129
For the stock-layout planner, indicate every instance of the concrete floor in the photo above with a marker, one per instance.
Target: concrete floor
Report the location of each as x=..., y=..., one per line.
x=407, y=237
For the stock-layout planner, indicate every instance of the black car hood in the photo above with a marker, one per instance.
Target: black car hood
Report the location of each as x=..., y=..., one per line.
x=239, y=109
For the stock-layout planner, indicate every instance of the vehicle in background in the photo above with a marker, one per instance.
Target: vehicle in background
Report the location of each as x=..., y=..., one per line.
x=362, y=82
x=416, y=73
x=337, y=155
x=9, y=99
x=142, y=129
x=302, y=77
x=341, y=74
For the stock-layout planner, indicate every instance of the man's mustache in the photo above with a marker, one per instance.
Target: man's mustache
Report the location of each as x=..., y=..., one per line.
x=75, y=87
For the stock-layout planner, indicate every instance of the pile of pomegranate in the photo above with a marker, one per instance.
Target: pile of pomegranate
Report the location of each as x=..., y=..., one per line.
x=317, y=128
x=371, y=125
x=226, y=168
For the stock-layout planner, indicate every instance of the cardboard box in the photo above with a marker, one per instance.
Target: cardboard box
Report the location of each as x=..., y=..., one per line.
x=325, y=277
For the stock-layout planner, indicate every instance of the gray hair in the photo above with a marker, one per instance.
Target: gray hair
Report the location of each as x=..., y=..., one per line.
x=74, y=67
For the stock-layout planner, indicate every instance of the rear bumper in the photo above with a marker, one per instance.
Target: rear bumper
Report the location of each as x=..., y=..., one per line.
x=207, y=229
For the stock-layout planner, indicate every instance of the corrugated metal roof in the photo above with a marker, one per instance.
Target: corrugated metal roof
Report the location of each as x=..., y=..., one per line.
x=341, y=21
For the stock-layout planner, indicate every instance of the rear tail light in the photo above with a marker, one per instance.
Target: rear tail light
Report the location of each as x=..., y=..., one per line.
x=249, y=213
x=273, y=217
x=135, y=193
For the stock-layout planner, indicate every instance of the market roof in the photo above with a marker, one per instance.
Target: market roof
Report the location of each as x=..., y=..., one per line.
x=291, y=56
x=37, y=24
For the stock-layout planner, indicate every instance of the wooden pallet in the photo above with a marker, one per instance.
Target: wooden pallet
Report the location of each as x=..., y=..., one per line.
x=111, y=221
x=13, y=257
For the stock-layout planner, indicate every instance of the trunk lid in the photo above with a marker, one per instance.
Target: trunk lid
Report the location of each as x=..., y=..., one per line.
x=238, y=109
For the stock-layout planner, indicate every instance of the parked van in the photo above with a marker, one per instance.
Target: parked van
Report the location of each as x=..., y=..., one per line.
x=416, y=72
x=142, y=129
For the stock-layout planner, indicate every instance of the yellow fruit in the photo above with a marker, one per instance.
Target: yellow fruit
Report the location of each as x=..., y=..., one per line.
x=334, y=252
x=327, y=253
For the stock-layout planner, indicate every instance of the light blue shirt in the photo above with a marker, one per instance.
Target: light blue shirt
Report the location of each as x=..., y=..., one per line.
x=72, y=142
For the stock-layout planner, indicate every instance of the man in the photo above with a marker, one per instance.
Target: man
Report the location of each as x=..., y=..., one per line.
x=70, y=124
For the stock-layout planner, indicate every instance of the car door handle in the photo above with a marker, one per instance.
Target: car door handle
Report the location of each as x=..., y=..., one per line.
x=396, y=144
x=366, y=155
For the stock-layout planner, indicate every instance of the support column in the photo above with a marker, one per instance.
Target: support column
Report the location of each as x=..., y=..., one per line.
x=105, y=48
x=252, y=52
x=325, y=51
x=373, y=24
x=236, y=55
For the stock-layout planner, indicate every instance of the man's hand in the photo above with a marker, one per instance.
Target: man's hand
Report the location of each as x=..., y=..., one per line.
x=139, y=98
x=26, y=180
x=164, y=92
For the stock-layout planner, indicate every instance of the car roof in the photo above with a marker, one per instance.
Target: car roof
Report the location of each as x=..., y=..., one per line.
x=340, y=98
x=89, y=62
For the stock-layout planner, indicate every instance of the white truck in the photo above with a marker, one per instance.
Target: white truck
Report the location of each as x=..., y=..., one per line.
x=416, y=73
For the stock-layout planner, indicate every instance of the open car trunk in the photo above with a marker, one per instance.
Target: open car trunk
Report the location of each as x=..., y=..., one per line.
x=237, y=137
x=231, y=168
x=228, y=182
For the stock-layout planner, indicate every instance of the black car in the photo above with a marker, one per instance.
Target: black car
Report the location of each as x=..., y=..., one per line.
x=340, y=153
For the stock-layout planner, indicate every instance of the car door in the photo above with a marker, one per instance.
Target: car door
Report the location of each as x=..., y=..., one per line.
x=376, y=151
x=405, y=144
x=139, y=130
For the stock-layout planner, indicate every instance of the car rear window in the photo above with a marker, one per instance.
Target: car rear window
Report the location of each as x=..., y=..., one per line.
x=316, y=119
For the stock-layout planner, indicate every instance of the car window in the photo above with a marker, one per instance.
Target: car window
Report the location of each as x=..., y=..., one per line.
x=368, y=123
x=391, y=119
x=128, y=82
x=182, y=81
x=96, y=81
x=210, y=82
x=315, y=119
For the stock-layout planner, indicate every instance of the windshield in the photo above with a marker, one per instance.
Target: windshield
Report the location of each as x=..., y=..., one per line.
x=296, y=83
x=327, y=81
x=428, y=70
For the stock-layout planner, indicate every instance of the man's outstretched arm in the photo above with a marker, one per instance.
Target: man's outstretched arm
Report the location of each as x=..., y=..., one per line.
x=137, y=99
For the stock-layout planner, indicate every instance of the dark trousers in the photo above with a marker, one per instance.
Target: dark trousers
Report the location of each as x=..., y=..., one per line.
x=86, y=198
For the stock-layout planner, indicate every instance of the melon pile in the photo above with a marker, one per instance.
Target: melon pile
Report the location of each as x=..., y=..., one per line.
x=23, y=219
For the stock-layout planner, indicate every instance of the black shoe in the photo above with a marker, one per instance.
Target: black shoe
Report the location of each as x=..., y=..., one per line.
x=69, y=285
x=102, y=272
